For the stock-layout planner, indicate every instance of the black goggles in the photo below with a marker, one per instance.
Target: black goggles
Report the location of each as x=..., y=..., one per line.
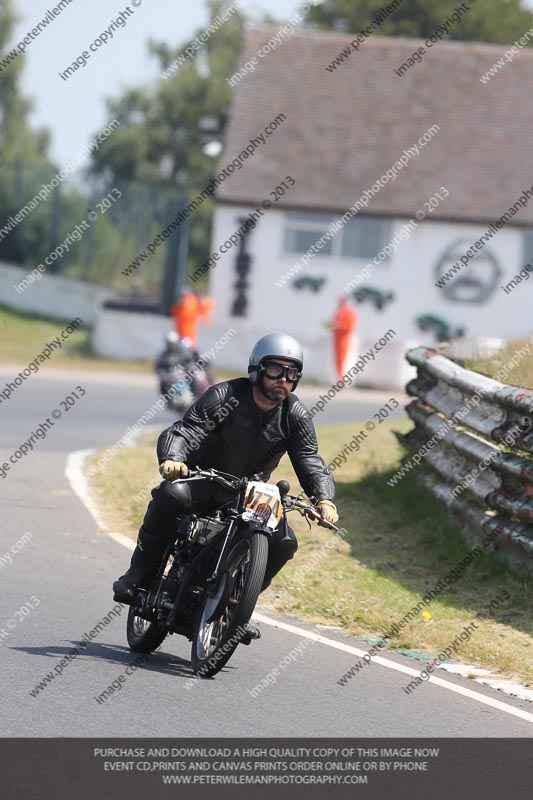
x=273, y=370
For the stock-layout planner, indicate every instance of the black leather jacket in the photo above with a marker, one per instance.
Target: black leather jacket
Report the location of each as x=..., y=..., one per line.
x=225, y=429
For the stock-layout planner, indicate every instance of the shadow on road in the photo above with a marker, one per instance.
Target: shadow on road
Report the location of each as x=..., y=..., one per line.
x=159, y=661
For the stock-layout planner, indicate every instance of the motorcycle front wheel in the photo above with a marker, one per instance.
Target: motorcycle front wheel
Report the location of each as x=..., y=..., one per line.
x=179, y=402
x=226, y=608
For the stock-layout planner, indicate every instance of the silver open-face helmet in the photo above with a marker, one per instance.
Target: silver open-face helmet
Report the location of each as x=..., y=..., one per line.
x=275, y=345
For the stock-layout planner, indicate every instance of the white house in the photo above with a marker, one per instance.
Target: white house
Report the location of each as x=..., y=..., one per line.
x=435, y=166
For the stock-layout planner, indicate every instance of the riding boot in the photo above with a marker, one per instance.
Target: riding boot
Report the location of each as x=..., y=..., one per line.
x=145, y=560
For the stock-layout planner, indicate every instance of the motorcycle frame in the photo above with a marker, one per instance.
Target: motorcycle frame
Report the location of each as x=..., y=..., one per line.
x=229, y=537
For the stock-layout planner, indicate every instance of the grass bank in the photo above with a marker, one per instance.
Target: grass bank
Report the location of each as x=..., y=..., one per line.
x=520, y=374
x=23, y=336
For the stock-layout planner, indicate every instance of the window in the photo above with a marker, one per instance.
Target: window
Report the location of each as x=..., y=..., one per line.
x=301, y=232
x=361, y=237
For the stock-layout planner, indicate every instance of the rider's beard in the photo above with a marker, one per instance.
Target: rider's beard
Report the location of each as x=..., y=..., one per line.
x=278, y=391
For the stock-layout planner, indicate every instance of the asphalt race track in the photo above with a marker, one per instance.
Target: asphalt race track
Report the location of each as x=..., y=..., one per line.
x=62, y=579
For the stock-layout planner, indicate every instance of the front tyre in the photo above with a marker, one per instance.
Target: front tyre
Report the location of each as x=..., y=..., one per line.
x=224, y=611
x=178, y=403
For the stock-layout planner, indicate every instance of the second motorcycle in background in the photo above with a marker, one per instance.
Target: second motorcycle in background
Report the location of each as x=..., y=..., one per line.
x=179, y=386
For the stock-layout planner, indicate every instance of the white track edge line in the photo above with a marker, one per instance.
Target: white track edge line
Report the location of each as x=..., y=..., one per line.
x=384, y=662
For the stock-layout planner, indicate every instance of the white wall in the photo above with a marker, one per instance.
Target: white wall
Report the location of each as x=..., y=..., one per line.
x=410, y=274
x=121, y=334
x=54, y=296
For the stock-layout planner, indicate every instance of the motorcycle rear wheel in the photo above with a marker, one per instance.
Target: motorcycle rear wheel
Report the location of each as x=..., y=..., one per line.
x=224, y=611
x=145, y=636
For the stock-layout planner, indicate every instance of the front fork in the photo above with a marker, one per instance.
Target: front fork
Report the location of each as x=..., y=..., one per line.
x=252, y=528
x=220, y=587
x=213, y=578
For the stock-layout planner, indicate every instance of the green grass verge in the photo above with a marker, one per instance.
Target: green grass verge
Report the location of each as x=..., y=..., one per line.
x=23, y=337
x=520, y=374
x=400, y=543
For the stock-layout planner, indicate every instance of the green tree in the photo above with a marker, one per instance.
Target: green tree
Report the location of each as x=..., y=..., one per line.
x=17, y=139
x=502, y=21
x=25, y=166
x=162, y=136
x=21, y=148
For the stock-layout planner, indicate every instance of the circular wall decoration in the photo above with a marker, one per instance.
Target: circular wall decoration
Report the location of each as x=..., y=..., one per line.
x=475, y=281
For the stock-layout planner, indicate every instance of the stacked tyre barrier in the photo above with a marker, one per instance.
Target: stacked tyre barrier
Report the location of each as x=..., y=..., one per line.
x=476, y=435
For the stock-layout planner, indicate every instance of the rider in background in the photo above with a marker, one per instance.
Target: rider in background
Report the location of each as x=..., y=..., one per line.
x=175, y=354
x=265, y=421
x=180, y=353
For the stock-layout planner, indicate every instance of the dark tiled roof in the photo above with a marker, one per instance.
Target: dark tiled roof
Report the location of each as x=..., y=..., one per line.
x=345, y=128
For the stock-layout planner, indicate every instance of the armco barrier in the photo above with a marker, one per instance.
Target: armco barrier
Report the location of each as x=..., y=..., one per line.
x=488, y=488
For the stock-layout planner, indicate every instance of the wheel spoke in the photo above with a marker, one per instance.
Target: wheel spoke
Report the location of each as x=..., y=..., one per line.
x=145, y=635
x=211, y=634
x=140, y=625
x=244, y=569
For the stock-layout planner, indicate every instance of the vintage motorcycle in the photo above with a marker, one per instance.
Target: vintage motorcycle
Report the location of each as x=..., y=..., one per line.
x=210, y=576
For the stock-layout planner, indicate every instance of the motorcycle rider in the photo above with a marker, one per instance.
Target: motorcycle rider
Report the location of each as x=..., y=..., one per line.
x=265, y=421
x=195, y=357
x=180, y=353
x=175, y=354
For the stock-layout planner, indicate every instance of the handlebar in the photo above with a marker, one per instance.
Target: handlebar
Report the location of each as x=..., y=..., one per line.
x=224, y=478
x=290, y=502
x=293, y=503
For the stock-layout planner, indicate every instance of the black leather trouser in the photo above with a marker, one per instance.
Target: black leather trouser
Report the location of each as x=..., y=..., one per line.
x=204, y=497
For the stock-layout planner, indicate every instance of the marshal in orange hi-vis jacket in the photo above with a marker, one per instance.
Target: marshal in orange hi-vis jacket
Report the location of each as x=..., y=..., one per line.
x=188, y=312
x=343, y=325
